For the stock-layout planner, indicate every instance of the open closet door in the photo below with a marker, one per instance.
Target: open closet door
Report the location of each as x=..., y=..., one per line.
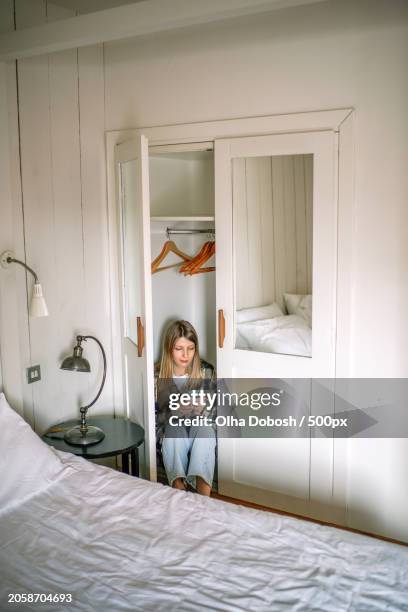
x=132, y=175
x=276, y=220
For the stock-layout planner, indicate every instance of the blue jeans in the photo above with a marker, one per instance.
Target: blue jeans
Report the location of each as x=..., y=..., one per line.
x=190, y=455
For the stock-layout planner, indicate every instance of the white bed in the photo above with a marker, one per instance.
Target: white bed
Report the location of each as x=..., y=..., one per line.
x=116, y=542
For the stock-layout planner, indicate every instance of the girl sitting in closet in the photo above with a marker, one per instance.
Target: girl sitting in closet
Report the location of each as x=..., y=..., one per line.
x=188, y=451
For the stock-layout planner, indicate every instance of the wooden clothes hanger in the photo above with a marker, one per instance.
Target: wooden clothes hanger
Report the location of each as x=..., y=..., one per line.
x=202, y=270
x=186, y=267
x=210, y=251
x=169, y=247
x=194, y=266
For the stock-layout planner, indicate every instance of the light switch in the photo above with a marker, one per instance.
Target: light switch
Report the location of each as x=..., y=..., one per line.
x=33, y=374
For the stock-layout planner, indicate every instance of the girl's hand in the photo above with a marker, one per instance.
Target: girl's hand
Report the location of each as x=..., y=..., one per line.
x=185, y=410
x=198, y=409
x=191, y=410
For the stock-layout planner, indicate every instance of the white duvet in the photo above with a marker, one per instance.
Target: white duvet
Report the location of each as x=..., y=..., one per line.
x=286, y=334
x=116, y=542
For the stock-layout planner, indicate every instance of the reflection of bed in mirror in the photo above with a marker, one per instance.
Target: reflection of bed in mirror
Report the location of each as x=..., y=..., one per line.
x=271, y=330
x=273, y=245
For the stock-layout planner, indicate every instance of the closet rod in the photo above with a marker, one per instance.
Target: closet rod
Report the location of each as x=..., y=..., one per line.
x=210, y=230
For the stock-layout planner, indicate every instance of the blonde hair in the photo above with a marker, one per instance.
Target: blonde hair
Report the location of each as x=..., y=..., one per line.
x=176, y=330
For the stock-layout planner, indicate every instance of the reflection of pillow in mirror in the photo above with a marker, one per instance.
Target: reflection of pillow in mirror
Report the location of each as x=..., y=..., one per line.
x=269, y=311
x=299, y=305
x=288, y=335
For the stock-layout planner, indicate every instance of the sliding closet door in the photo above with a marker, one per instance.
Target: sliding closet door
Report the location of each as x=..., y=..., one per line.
x=132, y=173
x=276, y=226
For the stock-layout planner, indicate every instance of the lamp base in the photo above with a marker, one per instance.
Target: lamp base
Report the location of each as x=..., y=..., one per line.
x=75, y=436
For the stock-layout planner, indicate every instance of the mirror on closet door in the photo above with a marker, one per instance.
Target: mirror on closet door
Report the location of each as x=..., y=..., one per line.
x=131, y=270
x=273, y=245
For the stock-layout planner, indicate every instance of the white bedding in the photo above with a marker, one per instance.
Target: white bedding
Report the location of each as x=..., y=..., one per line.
x=120, y=543
x=286, y=334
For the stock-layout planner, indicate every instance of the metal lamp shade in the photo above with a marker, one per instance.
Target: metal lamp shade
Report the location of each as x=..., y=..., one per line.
x=76, y=364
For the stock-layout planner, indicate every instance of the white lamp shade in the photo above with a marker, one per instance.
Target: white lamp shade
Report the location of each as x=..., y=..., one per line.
x=38, y=307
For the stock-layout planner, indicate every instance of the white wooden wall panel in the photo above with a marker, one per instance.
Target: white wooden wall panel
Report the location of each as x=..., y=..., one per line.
x=14, y=347
x=240, y=229
x=94, y=210
x=66, y=245
x=6, y=24
x=30, y=13
x=266, y=229
x=273, y=221
x=308, y=174
x=289, y=229
x=278, y=199
x=38, y=211
x=17, y=245
x=55, y=12
x=9, y=332
x=300, y=224
x=62, y=142
x=52, y=217
x=6, y=15
x=253, y=219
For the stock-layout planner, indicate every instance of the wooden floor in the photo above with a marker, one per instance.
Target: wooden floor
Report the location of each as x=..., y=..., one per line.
x=240, y=502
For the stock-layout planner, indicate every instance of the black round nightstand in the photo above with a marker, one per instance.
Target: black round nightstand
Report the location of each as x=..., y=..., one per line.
x=122, y=437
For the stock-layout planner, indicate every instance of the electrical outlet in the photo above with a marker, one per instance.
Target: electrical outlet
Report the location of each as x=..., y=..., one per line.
x=33, y=374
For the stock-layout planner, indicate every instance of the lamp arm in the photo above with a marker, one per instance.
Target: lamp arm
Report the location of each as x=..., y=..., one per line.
x=13, y=260
x=84, y=409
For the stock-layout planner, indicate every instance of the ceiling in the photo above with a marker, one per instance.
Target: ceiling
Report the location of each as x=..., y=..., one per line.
x=90, y=6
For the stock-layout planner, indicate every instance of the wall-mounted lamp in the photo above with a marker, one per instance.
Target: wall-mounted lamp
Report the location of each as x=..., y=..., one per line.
x=38, y=307
x=84, y=434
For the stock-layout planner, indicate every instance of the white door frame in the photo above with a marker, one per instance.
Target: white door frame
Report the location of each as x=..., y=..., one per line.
x=139, y=404
x=340, y=122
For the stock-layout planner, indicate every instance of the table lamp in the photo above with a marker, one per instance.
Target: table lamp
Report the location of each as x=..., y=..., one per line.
x=84, y=434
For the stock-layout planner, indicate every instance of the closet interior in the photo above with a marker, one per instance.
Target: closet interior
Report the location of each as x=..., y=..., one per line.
x=182, y=210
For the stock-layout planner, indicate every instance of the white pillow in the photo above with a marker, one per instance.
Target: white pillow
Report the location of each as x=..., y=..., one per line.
x=299, y=305
x=269, y=311
x=27, y=464
x=288, y=335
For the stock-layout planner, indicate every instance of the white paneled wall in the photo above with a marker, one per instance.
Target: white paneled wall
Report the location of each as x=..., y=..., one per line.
x=64, y=236
x=14, y=332
x=273, y=201
x=6, y=15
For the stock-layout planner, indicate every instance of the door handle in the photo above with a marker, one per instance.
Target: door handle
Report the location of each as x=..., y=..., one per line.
x=140, y=337
x=221, y=328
